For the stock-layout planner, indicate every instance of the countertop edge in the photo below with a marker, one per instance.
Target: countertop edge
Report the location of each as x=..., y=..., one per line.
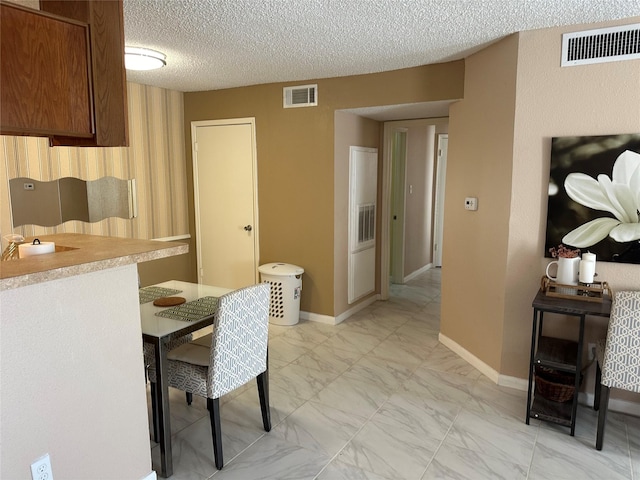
x=159, y=250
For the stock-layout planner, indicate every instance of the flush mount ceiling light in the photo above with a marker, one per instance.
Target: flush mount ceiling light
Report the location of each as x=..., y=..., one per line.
x=136, y=58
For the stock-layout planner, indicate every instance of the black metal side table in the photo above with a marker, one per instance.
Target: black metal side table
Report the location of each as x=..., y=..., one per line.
x=558, y=354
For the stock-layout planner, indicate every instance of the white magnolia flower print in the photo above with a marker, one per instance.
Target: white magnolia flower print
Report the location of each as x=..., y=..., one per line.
x=619, y=195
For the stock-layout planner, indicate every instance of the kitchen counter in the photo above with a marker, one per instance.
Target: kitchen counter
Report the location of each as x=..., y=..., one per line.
x=83, y=254
x=71, y=346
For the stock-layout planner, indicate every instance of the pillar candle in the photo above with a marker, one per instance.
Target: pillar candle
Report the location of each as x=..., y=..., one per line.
x=589, y=257
x=587, y=271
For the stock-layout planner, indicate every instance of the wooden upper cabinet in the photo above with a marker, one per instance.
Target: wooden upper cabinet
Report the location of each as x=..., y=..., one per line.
x=106, y=27
x=45, y=79
x=58, y=85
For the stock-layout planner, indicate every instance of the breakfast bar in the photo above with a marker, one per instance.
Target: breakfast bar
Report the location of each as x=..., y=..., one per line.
x=71, y=364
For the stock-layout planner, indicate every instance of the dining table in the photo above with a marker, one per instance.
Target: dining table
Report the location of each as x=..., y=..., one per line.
x=160, y=324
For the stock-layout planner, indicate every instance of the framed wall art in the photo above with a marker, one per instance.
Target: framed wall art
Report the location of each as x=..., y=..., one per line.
x=594, y=196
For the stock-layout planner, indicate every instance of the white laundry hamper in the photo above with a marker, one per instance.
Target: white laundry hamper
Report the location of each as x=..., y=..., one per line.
x=286, y=288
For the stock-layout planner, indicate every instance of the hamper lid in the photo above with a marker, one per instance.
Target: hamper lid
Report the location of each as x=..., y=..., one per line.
x=280, y=269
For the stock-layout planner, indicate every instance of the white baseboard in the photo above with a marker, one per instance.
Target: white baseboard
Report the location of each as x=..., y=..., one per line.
x=316, y=317
x=470, y=358
x=615, y=405
x=151, y=476
x=413, y=275
x=356, y=308
x=516, y=383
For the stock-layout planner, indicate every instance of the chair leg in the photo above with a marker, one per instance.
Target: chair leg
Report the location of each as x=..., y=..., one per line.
x=213, y=405
x=154, y=411
x=598, y=387
x=602, y=416
x=189, y=397
x=263, y=393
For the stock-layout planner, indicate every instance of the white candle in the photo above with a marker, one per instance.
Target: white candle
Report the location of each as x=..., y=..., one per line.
x=587, y=271
x=589, y=257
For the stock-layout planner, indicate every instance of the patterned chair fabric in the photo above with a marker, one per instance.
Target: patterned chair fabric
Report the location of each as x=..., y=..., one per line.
x=618, y=357
x=238, y=350
x=621, y=362
x=149, y=350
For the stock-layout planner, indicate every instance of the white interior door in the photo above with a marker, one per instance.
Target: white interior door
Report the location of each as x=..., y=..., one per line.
x=441, y=173
x=363, y=191
x=225, y=189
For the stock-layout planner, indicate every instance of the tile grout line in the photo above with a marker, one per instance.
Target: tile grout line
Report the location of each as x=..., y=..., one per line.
x=533, y=451
x=626, y=429
x=442, y=441
x=353, y=436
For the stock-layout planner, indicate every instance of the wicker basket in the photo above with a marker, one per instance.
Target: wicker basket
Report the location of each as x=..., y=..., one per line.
x=554, y=385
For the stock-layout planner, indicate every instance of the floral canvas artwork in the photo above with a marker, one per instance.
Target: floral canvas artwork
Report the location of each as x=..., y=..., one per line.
x=594, y=196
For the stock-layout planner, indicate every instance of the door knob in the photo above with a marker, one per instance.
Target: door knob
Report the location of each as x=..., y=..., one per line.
x=247, y=228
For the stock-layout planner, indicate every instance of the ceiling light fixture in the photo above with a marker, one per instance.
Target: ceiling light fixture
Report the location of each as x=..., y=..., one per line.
x=136, y=58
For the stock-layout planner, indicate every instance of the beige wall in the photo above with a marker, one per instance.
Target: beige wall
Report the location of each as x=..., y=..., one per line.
x=155, y=158
x=419, y=198
x=479, y=165
x=516, y=98
x=350, y=130
x=295, y=150
x=596, y=99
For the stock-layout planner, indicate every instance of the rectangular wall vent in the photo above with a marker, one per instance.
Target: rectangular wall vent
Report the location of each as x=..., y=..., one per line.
x=300, y=96
x=366, y=224
x=601, y=45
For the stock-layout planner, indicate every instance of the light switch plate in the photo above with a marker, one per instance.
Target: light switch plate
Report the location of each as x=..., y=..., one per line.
x=471, y=203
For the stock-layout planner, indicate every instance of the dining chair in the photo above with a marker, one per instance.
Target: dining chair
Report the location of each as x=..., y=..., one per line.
x=618, y=356
x=235, y=353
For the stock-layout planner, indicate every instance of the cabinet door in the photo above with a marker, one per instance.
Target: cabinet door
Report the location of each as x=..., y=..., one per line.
x=45, y=75
x=105, y=19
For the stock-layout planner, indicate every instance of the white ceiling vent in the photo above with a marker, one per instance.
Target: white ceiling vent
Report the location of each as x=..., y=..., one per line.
x=300, y=96
x=601, y=45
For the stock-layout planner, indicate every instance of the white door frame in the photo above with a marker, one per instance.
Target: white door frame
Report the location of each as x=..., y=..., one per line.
x=438, y=224
x=254, y=153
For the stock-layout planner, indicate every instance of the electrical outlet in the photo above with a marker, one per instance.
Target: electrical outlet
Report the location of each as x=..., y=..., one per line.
x=41, y=469
x=471, y=203
x=592, y=351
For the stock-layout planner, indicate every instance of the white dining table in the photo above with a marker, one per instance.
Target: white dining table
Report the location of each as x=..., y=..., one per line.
x=157, y=331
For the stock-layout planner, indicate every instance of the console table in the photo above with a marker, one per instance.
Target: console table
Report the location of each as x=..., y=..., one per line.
x=559, y=354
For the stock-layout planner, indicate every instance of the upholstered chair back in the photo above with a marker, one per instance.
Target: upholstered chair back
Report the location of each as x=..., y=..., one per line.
x=621, y=363
x=240, y=336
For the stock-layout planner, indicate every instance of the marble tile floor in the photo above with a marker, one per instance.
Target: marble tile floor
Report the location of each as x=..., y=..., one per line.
x=377, y=397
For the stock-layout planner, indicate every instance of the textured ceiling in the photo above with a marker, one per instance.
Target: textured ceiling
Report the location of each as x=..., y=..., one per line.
x=215, y=44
